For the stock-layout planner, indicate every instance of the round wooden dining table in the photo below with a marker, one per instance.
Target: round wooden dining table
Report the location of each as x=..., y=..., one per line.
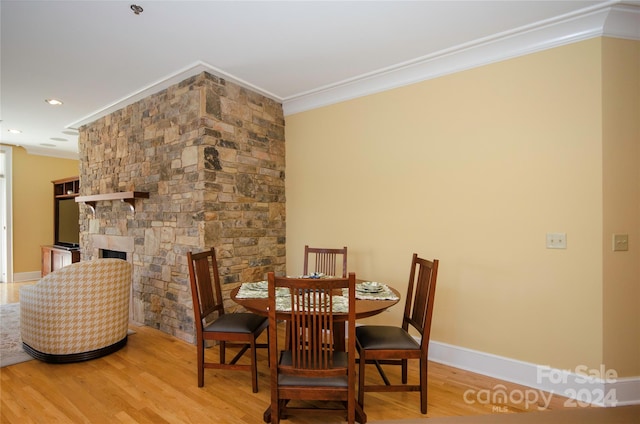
x=364, y=308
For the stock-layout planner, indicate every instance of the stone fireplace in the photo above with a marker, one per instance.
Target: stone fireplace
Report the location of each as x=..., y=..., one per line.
x=211, y=156
x=123, y=244
x=113, y=254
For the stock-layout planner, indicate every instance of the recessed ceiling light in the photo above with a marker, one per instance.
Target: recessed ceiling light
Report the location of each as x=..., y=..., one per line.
x=53, y=102
x=58, y=139
x=70, y=132
x=47, y=145
x=14, y=131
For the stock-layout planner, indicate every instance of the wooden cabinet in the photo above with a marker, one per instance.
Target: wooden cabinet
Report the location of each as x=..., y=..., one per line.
x=54, y=258
x=64, y=250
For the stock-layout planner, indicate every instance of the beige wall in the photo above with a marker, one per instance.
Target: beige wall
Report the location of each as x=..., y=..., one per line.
x=33, y=205
x=621, y=192
x=472, y=168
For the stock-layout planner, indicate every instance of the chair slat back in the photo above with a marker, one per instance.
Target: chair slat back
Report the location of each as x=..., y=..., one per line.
x=205, y=284
x=311, y=323
x=324, y=260
x=420, y=295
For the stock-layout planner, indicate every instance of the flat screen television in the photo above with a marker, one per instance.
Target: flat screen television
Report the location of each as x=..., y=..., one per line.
x=67, y=223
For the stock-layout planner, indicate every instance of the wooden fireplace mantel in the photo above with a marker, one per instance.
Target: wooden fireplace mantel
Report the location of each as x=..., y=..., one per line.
x=124, y=196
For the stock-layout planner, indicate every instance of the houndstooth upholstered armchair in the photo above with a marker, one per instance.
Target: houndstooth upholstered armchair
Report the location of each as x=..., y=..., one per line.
x=78, y=312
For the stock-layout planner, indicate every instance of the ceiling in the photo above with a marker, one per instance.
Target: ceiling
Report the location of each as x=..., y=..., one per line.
x=98, y=56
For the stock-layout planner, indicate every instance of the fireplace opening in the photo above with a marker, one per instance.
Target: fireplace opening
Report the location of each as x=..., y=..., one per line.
x=114, y=254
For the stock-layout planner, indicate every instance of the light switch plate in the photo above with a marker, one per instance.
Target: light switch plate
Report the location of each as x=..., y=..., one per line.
x=620, y=242
x=556, y=240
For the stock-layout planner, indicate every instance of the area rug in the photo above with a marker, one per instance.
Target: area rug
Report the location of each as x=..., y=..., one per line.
x=11, y=351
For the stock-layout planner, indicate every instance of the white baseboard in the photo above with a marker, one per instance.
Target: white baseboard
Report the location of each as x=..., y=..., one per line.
x=582, y=386
x=627, y=390
x=20, y=277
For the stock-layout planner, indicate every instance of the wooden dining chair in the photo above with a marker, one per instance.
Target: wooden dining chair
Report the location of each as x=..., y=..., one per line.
x=324, y=260
x=212, y=323
x=379, y=344
x=310, y=369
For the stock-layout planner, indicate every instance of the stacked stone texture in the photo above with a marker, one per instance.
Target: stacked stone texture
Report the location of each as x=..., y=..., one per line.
x=211, y=155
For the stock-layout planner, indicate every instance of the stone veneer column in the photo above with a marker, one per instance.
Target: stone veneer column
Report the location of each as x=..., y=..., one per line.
x=211, y=154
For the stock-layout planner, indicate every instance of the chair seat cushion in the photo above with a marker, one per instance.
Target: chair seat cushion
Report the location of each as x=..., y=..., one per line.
x=340, y=360
x=237, y=323
x=382, y=337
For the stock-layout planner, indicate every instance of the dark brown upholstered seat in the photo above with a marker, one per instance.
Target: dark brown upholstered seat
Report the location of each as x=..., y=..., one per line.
x=235, y=329
x=391, y=345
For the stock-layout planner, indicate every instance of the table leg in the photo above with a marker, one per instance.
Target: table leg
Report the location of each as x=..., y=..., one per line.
x=361, y=417
x=266, y=416
x=339, y=335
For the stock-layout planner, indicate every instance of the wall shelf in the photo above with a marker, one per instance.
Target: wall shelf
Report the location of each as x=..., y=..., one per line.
x=124, y=196
x=66, y=187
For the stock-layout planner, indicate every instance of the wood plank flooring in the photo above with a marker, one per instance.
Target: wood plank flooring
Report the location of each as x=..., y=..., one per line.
x=153, y=380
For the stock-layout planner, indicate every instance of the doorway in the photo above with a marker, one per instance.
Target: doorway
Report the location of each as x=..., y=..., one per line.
x=6, y=262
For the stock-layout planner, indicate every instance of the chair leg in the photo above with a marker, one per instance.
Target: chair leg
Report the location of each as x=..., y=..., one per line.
x=200, y=360
x=361, y=380
x=274, y=417
x=223, y=351
x=351, y=411
x=404, y=371
x=268, y=345
x=423, y=385
x=254, y=366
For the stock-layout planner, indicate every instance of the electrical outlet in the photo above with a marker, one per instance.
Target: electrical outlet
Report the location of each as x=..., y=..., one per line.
x=556, y=240
x=620, y=242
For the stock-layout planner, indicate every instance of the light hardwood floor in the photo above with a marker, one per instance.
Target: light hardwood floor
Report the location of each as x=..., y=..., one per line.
x=153, y=380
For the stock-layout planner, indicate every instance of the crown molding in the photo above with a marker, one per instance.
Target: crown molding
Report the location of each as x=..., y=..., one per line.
x=623, y=21
x=614, y=19
x=44, y=151
x=164, y=83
